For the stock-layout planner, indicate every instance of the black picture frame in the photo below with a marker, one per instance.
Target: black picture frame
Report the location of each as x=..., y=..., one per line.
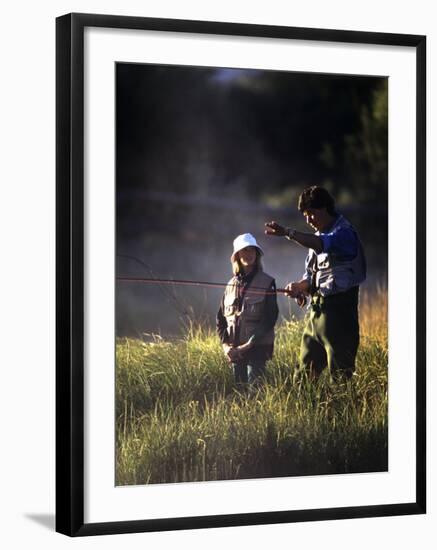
x=70, y=273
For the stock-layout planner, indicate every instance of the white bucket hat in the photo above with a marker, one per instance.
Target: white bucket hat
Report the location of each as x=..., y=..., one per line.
x=246, y=239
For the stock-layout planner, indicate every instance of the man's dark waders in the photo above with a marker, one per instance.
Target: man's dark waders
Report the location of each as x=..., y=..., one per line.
x=331, y=335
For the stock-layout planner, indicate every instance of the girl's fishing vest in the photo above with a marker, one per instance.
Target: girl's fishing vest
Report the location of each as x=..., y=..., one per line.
x=242, y=324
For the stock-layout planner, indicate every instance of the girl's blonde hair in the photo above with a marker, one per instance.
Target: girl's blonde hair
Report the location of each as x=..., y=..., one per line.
x=237, y=268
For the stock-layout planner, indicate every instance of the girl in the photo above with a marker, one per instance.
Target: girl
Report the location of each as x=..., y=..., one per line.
x=248, y=313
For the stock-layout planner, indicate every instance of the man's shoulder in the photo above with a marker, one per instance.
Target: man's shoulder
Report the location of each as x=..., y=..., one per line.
x=342, y=227
x=344, y=223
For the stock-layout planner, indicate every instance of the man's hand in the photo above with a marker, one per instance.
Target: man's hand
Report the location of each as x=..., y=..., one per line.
x=273, y=228
x=297, y=290
x=301, y=300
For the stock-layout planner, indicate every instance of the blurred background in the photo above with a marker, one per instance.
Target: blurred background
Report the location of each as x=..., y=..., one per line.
x=205, y=154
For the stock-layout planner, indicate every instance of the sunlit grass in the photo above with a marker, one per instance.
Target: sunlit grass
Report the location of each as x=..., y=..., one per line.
x=179, y=417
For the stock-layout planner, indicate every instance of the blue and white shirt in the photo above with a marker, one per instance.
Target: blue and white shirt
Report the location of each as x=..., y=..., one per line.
x=341, y=265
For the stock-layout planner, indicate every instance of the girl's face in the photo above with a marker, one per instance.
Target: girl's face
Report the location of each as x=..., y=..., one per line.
x=247, y=256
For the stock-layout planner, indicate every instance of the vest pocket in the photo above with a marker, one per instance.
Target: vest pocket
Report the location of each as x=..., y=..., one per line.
x=246, y=331
x=253, y=308
x=323, y=260
x=229, y=306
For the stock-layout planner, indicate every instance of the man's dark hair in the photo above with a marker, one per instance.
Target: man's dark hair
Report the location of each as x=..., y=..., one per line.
x=316, y=197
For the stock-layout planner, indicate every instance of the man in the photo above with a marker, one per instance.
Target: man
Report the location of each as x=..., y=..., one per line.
x=334, y=268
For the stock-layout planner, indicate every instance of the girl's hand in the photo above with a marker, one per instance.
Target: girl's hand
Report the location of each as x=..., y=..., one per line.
x=231, y=352
x=246, y=346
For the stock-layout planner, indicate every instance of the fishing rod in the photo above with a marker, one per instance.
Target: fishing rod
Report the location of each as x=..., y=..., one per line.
x=181, y=282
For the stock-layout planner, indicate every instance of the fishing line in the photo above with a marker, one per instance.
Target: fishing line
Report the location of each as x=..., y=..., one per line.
x=180, y=308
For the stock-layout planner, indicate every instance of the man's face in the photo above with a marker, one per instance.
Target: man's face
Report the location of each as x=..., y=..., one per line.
x=317, y=218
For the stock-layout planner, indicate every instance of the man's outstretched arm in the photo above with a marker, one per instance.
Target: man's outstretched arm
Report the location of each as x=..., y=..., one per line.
x=308, y=240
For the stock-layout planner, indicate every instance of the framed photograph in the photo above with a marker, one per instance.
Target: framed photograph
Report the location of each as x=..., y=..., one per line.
x=240, y=274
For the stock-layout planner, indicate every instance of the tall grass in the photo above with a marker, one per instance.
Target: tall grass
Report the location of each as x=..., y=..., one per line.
x=180, y=417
